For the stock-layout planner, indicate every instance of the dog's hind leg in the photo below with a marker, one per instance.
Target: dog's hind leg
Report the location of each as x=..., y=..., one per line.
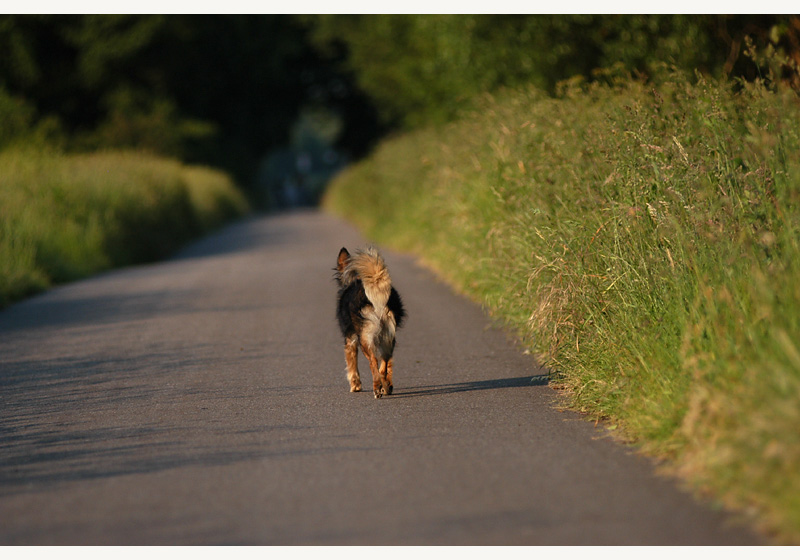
x=378, y=372
x=389, y=368
x=351, y=359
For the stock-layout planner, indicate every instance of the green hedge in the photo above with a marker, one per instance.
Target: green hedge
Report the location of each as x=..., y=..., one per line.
x=63, y=217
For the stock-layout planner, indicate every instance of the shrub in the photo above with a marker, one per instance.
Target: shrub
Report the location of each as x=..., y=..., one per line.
x=66, y=216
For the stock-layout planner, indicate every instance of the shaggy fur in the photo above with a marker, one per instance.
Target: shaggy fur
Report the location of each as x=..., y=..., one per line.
x=369, y=311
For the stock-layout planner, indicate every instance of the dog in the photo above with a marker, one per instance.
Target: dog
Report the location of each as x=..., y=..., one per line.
x=369, y=311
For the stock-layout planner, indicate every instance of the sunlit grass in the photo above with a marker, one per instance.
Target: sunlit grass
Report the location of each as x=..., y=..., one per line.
x=63, y=217
x=644, y=241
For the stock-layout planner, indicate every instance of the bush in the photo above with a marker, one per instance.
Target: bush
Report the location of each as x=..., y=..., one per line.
x=19, y=125
x=64, y=217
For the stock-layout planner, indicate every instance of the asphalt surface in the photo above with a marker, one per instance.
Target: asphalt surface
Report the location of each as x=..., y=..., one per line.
x=203, y=400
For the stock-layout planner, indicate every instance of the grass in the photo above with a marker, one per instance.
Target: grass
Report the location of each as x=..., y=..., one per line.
x=63, y=217
x=643, y=240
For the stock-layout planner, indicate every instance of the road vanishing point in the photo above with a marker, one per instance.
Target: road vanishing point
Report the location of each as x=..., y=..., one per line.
x=203, y=401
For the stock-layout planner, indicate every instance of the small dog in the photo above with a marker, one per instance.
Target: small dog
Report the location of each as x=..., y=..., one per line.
x=369, y=311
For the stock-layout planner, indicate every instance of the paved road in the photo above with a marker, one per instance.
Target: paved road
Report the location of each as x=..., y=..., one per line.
x=203, y=401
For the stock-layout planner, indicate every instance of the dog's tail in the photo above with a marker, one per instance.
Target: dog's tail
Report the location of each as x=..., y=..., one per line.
x=368, y=265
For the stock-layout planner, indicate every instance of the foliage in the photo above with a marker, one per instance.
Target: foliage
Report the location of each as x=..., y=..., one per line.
x=65, y=217
x=424, y=68
x=226, y=90
x=19, y=124
x=642, y=237
x=222, y=90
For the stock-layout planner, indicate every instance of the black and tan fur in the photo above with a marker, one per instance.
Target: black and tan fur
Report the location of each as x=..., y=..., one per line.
x=369, y=311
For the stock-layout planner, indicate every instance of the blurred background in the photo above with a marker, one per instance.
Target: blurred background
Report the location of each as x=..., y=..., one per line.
x=283, y=102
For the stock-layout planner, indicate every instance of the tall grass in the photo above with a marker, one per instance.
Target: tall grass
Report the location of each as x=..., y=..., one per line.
x=643, y=239
x=63, y=217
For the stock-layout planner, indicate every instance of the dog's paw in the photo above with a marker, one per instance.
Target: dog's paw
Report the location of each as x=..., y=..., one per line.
x=383, y=391
x=355, y=388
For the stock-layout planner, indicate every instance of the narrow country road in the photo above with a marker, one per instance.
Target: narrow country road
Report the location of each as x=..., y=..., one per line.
x=203, y=401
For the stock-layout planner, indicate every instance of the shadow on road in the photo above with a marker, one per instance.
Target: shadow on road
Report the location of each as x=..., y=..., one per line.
x=38, y=461
x=65, y=420
x=428, y=390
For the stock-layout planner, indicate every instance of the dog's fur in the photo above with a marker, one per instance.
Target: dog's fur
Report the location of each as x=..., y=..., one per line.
x=369, y=311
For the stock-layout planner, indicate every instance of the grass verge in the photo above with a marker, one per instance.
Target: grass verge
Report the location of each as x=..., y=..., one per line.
x=63, y=217
x=644, y=240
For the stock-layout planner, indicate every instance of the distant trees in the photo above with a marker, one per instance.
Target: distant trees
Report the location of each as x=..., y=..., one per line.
x=221, y=90
x=421, y=68
x=225, y=90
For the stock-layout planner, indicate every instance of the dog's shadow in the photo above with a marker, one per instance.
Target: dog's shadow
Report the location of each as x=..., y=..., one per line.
x=428, y=390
